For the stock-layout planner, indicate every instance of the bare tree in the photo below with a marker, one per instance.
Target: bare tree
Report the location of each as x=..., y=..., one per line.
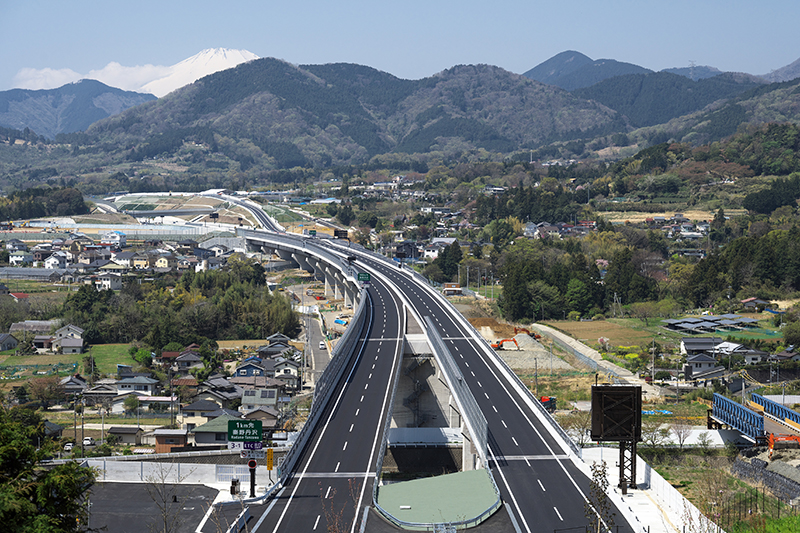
x=682, y=428
x=577, y=425
x=162, y=487
x=653, y=435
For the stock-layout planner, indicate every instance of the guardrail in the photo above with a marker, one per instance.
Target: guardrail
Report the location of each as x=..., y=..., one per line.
x=476, y=423
x=463, y=395
x=505, y=369
x=341, y=355
x=775, y=409
x=750, y=423
x=333, y=372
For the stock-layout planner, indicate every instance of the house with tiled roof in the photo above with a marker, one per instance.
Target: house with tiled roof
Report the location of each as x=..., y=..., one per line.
x=214, y=432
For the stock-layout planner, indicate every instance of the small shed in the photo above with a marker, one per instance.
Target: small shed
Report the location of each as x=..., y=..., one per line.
x=131, y=435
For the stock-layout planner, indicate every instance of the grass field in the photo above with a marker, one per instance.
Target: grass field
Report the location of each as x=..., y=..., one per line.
x=106, y=357
x=634, y=332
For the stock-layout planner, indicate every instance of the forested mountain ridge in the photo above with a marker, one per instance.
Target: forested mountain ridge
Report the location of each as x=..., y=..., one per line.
x=657, y=97
x=72, y=107
x=572, y=70
x=276, y=114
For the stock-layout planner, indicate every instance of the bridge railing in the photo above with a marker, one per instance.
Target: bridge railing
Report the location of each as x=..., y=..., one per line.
x=509, y=373
x=476, y=423
x=750, y=423
x=775, y=409
x=342, y=354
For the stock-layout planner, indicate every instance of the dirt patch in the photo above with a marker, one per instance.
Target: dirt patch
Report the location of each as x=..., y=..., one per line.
x=491, y=329
x=589, y=332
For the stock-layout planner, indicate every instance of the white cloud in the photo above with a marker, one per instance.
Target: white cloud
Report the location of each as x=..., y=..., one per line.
x=113, y=75
x=45, y=78
x=128, y=78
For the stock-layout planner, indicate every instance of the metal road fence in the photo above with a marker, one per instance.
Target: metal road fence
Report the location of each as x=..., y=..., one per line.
x=585, y=359
x=387, y=425
x=471, y=412
x=341, y=356
x=512, y=376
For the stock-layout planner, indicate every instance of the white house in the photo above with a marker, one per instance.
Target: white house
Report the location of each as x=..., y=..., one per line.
x=20, y=258
x=109, y=282
x=57, y=260
x=114, y=238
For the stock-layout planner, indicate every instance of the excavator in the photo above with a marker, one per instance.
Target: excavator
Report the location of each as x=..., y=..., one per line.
x=499, y=345
x=526, y=330
x=782, y=442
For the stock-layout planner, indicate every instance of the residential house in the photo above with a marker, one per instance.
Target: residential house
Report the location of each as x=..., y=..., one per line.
x=756, y=304
x=67, y=345
x=288, y=370
x=167, y=261
x=144, y=261
x=213, y=433
x=167, y=439
x=250, y=369
x=124, y=259
x=57, y=260
x=69, y=331
x=255, y=398
x=102, y=393
x=73, y=385
x=8, y=342
x=129, y=435
x=109, y=281
x=116, y=239
x=16, y=245
x=37, y=327
x=270, y=418
x=19, y=258
x=139, y=384
x=43, y=343
x=196, y=414
x=696, y=345
x=187, y=360
x=220, y=390
x=40, y=255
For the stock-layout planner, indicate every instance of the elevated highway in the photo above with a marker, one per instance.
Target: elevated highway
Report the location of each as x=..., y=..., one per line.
x=540, y=484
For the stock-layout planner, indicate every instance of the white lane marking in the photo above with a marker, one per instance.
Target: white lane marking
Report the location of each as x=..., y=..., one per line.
x=362, y=398
x=366, y=386
x=357, y=410
x=487, y=396
x=540, y=484
x=466, y=364
x=345, y=445
x=337, y=467
x=316, y=523
x=559, y=514
x=328, y=492
x=479, y=385
x=370, y=375
x=473, y=373
x=351, y=427
x=512, y=438
x=503, y=421
x=495, y=408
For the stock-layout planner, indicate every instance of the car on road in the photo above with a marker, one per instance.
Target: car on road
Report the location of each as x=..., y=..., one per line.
x=322, y=345
x=88, y=441
x=68, y=446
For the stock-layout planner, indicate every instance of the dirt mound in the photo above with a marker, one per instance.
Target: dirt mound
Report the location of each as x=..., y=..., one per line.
x=501, y=331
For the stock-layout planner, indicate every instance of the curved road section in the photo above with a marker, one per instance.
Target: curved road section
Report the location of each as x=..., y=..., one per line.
x=541, y=486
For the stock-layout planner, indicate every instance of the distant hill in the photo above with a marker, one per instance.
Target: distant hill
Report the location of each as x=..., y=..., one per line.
x=657, y=97
x=572, y=70
x=771, y=103
x=70, y=108
x=557, y=67
x=270, y=113
x=694, y=73
x=787, y=73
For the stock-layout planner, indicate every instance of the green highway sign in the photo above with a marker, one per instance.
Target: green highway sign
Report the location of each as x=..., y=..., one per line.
x=244, y=430
x=312, y=232
x=364, y=276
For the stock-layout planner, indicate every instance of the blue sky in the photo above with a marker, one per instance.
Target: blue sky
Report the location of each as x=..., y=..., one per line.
x=410, y=39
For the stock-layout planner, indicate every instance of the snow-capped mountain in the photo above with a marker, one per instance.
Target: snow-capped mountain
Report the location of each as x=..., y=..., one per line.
x=189, y=70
